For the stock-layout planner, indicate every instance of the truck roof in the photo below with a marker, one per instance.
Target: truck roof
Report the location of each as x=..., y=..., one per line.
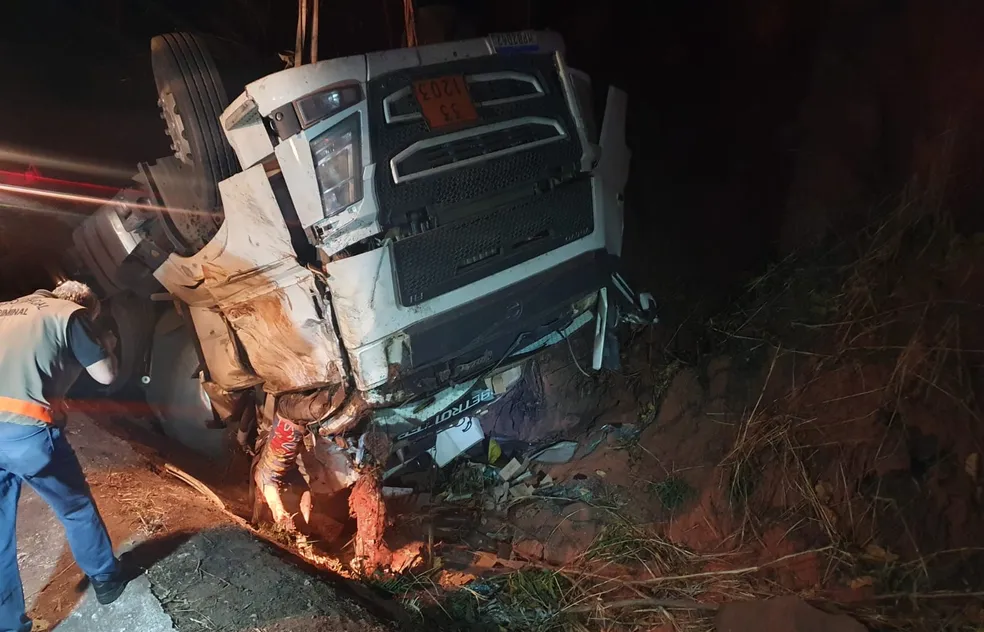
x=281, y=88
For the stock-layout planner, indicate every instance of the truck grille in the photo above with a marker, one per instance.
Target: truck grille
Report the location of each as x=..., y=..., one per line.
x=425, y=158
x=461, y=252
x=504, y=88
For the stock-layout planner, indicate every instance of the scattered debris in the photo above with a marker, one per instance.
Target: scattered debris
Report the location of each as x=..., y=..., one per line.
x=620, y=434
x=512, y=470
x=397, y=492
x=521, y=491
x=495, y=451
x=485, y=560
x=522, y=478
x=453, y=441
x=862, y=582
x=560, y=452
x=503, y=381
x=499, y=495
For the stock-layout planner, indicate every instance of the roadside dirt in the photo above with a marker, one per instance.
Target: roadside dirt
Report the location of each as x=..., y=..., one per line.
x=225, y=579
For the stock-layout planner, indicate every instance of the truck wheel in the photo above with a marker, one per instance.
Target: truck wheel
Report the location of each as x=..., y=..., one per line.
x=192, y=96
x=134, y=320
x=175, y=393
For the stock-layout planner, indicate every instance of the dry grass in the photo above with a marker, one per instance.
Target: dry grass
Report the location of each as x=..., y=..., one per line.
x=624, y=543
x=144, y=509
x=858, y=321
x=874, y=315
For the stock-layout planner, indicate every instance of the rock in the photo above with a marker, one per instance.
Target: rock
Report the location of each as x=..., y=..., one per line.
x=782, y=614
x=529, y=549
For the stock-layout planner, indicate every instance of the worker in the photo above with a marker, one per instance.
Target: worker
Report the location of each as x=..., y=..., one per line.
x=46, y=340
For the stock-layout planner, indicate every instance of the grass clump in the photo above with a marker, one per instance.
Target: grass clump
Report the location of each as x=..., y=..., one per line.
x=624, y=543
x=537, y=589
x=672, y=492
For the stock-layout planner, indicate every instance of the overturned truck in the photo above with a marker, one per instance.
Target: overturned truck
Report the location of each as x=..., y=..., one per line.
x=361, y=254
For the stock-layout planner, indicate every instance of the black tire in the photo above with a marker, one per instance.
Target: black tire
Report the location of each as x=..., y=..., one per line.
x=134, y=318
x=189, y=83
x=175, y=394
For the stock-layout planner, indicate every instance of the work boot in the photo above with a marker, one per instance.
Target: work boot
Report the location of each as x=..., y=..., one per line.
x=109, y=591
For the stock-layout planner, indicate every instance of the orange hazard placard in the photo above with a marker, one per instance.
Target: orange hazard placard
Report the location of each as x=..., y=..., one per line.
x=445, y=101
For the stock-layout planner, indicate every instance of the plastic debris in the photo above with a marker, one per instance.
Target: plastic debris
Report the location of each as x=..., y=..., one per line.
x=525, y=476
x=560, y=452
x=505, y=380
x=397, y=492
x=622, y=433
x=495, y=451
x=452, y=441
x=500, y=493
x=521, y=491
x=512, y=470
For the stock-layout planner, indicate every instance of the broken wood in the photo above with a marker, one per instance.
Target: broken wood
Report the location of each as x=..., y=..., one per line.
x=197, y=485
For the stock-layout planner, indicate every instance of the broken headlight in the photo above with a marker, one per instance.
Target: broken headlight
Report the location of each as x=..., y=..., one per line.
x=338, y=165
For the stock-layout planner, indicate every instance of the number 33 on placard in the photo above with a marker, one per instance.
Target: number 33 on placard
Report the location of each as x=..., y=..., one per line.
x=444, y=100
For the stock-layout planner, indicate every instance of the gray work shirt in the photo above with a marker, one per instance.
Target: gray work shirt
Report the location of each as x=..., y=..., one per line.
x=44, y=344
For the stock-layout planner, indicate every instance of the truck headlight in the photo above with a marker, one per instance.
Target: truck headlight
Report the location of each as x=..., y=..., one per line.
x=324, y=103
x=338, y=165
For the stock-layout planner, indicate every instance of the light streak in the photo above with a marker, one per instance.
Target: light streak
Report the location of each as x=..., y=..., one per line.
x=90, y=199
x=74, y=165
x=32, y=178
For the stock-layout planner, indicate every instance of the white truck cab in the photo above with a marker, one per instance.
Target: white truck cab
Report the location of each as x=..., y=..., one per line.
x=403, y=228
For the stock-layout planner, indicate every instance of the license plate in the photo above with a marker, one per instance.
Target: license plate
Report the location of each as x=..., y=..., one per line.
x=445, y=101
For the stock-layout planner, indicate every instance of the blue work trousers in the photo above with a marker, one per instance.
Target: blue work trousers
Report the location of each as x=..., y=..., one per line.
x=42, y=457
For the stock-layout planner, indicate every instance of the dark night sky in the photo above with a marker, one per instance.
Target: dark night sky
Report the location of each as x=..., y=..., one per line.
x=78, y=78
x=711, y=86
x=746, y=117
